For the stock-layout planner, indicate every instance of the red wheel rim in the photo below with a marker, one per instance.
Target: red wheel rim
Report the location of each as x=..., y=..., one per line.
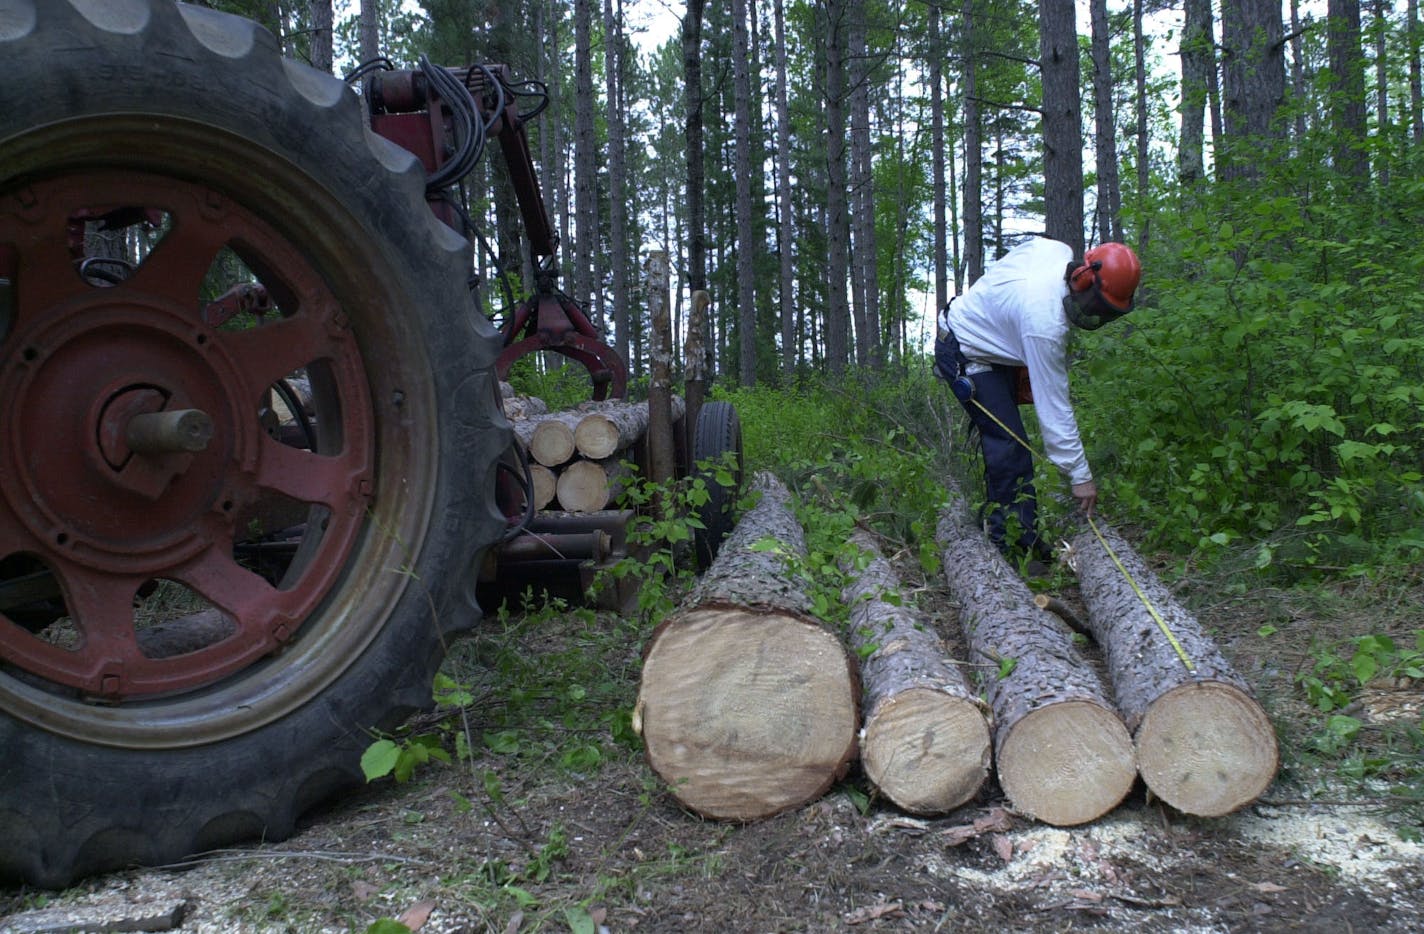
x=82, y=359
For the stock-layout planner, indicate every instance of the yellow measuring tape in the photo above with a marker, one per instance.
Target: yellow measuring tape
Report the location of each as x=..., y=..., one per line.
x=1161, y=623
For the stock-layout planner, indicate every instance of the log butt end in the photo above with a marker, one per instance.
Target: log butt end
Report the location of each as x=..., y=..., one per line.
x=1067, y=763
x=926, y=750
x=1207, y=748
x=745, y=714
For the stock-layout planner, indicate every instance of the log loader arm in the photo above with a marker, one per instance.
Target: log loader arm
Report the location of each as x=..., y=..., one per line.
x=444, y=116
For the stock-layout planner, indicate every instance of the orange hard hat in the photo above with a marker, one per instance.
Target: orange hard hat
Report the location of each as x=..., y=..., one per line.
x=1115, y=269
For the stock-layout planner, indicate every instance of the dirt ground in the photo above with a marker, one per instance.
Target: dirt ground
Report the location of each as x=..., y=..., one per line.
x=609, y=851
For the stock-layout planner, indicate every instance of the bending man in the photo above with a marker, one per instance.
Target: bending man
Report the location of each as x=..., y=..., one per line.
x=1010, y=332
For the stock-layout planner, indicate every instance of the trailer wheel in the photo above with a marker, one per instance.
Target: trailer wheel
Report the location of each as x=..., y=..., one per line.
x=716, y=446
x=248, y=435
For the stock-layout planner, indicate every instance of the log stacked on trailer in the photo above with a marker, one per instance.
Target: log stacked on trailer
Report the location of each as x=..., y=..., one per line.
x=747, y=705
x=1204, y=745
x=1062, y=752
x=577, y=455
x=925, y=743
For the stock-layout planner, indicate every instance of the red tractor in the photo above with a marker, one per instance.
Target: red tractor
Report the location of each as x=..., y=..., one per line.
x=252, y=447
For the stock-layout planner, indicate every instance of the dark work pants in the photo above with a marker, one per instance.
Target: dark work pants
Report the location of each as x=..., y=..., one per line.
x=1008, y=465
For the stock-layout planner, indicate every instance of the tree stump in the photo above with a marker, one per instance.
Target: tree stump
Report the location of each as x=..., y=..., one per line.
x=1204, y=745
x=747, y=706
x=925, y=743
x=1063, y=754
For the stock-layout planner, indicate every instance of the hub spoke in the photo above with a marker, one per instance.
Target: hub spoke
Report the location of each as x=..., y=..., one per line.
x=101, y=606
x=272, y=351
x=179, y=263
x=334, y=482
x=229, y=586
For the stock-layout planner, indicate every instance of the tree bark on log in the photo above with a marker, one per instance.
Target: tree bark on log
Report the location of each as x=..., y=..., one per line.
x=1204, y=745
x=1063, y=754
x=747, y=705
x=519, y=407
x=925, y=743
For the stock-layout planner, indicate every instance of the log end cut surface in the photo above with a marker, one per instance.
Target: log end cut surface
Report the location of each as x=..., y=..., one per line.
x=926, y=750
x=1067, y=763
x=1206, y=749
x=746, y=714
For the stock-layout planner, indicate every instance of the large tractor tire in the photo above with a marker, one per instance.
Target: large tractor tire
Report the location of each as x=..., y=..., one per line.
x=716, y=451
x=247, y=455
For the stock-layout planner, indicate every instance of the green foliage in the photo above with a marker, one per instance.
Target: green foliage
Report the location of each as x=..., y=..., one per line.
x=661, y=534
x=869, y=449
x=1270, y=389
x=1340, y=672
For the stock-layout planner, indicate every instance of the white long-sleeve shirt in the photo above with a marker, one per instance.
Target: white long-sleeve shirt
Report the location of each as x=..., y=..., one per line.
x=1013, y=315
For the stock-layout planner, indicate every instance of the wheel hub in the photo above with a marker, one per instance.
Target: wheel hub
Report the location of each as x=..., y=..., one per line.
x=84, y=378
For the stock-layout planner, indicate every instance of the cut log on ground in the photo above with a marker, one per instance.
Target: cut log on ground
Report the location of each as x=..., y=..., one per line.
x=925, y=743
x=747, y=705
x=1204, y=745
x=1063, y=754
x=607, y=428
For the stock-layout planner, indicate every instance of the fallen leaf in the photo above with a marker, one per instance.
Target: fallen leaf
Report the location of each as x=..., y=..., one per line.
x=416, y=915
x=874, y=912
x=516, y=921
x=1003, y=847
x=996, y=819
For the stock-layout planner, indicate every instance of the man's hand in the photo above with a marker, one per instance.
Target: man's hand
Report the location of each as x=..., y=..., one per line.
x=1087, y=496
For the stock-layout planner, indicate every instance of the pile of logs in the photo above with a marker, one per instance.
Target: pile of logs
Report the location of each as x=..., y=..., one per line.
x=577, y=456
x=748, y=705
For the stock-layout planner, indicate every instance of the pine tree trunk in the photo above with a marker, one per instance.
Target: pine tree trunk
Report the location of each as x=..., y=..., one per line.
x=785, y=228
x=369, y=28
x=1062, y=127
x=746, y=238
x=1105, y=138
x=321, y=35
x=1204, y=745
x=837, y=221
x=1252, y=84
x=973, y=150
x=617, y=171
x=868, y=347
x=585, y=155
x=1062, y=753
x=925, y=743
x=747, y=705
x=1198, y=58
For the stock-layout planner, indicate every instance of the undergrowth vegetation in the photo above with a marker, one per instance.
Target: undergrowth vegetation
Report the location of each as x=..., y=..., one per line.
x=1261, y=473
